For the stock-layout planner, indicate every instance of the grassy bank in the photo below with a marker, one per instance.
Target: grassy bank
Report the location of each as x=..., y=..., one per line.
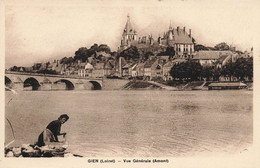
x=140, y=85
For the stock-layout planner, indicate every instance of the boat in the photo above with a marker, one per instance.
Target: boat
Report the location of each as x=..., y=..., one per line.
x=227, y=86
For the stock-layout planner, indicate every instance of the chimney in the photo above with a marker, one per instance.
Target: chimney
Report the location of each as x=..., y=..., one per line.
x=190, y=32
x=184, y=30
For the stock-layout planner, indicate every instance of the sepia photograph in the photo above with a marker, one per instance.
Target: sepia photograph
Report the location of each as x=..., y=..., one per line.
x=164, y=83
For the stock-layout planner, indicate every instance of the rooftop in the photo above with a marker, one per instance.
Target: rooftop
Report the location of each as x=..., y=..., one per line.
x=206, y=55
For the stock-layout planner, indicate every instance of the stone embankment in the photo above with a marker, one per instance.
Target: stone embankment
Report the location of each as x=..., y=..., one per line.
x=146, y=85
x=163, y=86
x=28, y=150
x=114, y=84
x=187, y=86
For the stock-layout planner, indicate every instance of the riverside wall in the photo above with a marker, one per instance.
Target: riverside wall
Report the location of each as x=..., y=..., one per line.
x=114, y=84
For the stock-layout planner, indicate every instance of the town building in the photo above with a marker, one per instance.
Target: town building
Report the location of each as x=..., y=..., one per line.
x=109, y=68
x=140, y=69
x=210, y=58
x=129, y=35
x=166, y=71
x=152, y=68
x=179, y=39
x=127, y=70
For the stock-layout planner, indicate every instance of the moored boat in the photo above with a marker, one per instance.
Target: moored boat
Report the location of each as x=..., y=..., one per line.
x=227, y=86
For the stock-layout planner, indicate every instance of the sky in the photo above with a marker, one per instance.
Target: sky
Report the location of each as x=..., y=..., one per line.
x=46, y=30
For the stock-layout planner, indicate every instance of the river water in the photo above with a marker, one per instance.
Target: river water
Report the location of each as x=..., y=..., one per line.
x=150, y=123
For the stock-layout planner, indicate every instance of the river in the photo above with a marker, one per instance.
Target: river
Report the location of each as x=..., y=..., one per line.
x=124, y=123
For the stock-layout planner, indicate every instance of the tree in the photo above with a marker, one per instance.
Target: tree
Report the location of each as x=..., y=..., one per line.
x=94, y=47
x=63, y=60
x=103, y=47
x=178, y=71
x=239, y=52
x=81, y=54
x=207, y=72
x=169, y=51
x=46, y=71
x=147, y=55
x=66, y=60
x=199, y=47
x=249, y=68
x=193, y=40
x=189, y=70
x=216, y=73
x=228, y=70
x=222, y=46
x=14, y=68
x=243, y=68
x=194, y=70
x=114, y=54
x=130, y=53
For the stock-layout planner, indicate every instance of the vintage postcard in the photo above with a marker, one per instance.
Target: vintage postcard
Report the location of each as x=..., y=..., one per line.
x=168, y=83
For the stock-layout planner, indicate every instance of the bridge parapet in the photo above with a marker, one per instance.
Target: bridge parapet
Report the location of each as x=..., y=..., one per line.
x=42, y=80
x=51, y=75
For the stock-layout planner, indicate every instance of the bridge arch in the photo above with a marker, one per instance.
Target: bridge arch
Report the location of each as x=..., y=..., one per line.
x=96, y=85
x=31, y=82
x=18, y=80
x=69, y=84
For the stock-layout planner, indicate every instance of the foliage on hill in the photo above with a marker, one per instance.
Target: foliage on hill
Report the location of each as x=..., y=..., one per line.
x=130, y=53
x=169, y=51
x=222, y=46
x=84, y=53
x=199, y=47
x=66, y=60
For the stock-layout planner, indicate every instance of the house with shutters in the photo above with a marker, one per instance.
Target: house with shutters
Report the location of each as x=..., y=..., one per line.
x=153, y=68
x=127, y=69
x=166, y=71
x=140, y=69
x=109, y=68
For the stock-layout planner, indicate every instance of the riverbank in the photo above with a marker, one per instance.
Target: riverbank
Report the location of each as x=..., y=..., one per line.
x=136, y=85
x=174, y=85
x=29, y=150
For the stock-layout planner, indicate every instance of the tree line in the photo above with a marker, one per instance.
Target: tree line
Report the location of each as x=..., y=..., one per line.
x=190, y=70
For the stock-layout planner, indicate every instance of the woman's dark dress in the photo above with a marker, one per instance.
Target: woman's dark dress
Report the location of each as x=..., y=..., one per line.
x=54, y=129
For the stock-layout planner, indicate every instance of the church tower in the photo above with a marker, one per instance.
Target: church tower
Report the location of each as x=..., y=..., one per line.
x=129, y=35
x=170, y=33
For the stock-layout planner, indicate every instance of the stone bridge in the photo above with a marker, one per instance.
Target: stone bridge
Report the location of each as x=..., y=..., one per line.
x=34, y=81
